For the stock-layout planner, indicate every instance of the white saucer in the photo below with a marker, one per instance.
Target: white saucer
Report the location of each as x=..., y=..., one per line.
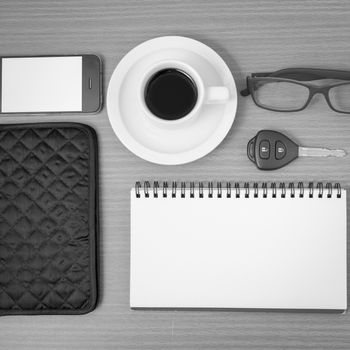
x=156, y=142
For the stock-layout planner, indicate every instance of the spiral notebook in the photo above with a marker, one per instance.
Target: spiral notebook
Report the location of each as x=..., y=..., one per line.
x=223, y=245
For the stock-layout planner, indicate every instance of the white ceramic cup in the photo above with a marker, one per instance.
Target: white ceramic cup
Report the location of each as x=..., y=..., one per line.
x=205, y=94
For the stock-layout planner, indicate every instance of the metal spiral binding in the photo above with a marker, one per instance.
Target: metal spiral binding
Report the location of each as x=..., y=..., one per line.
x=283, y=189
x=155, y=189
x=146, y=187
x=264, y=187
x=246, y=189
x=224, y=190
x=273, y=188
x=291, y=189
x=173, y=189
x=301, y=189
x=219, y=190
x=201, y=190
x=192, y=189
x=228, y=189
x=238, y=191
x=183, y=189
x=165, y=189
x=319, y=186
x=311, y=189
x=338, y=188
x=137, y=189
x=256, y=189
x=210, y=189
x=329, y=189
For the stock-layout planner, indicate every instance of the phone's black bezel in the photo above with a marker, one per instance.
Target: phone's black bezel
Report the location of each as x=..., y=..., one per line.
x=91, y=92
x=91, y=97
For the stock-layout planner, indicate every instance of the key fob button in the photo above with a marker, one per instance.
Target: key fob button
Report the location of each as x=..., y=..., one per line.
x=264, y=149
x=280, y=150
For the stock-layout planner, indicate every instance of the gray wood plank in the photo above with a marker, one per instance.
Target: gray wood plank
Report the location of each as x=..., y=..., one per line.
x=250, y=36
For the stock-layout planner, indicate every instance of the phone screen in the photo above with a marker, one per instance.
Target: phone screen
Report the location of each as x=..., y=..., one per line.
x=41, y=84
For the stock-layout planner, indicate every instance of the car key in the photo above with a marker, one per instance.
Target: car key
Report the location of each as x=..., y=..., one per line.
x=270, y=150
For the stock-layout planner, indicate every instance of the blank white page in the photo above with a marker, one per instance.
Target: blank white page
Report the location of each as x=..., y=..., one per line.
x=274, y=253
x=41, y=84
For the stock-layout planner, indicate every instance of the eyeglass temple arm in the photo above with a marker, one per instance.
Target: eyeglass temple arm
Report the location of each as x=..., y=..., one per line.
x=302, y=74
x=246, y=92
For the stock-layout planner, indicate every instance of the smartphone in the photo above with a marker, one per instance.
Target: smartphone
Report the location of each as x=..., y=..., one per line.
x=51, y=84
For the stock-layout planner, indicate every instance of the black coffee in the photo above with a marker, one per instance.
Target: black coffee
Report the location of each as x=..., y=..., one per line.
x=170, y=94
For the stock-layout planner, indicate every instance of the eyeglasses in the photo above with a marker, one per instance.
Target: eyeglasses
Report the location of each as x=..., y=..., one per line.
x=291, y=90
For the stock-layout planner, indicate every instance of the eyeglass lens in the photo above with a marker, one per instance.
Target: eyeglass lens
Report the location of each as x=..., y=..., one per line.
x=339, y=97
x=289, y=96
x=284, y=96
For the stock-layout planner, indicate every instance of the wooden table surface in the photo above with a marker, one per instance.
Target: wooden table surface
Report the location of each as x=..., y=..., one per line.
x=250, y=36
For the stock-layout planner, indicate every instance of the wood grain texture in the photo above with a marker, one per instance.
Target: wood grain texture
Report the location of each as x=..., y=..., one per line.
x=250, y=36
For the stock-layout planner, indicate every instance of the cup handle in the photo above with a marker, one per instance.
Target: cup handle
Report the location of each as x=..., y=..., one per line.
x=216, y=94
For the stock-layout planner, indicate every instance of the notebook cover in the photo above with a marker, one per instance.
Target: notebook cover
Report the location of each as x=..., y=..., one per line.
x=252, y=246
x=48, y=218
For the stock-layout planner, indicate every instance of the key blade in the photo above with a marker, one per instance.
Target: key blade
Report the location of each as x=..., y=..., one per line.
x=321, y=152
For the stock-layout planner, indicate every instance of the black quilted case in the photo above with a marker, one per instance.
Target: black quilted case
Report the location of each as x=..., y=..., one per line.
x=48, y=218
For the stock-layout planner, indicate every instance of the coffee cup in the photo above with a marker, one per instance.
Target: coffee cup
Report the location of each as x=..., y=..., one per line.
x=173, y=92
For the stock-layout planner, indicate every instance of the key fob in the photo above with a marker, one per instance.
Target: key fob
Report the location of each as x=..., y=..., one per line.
x=270, y=150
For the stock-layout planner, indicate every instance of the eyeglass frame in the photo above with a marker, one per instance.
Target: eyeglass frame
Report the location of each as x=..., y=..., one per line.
x=295, y=76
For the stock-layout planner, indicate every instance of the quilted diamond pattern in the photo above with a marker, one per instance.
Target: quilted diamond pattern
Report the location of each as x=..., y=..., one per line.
x=46, y=265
